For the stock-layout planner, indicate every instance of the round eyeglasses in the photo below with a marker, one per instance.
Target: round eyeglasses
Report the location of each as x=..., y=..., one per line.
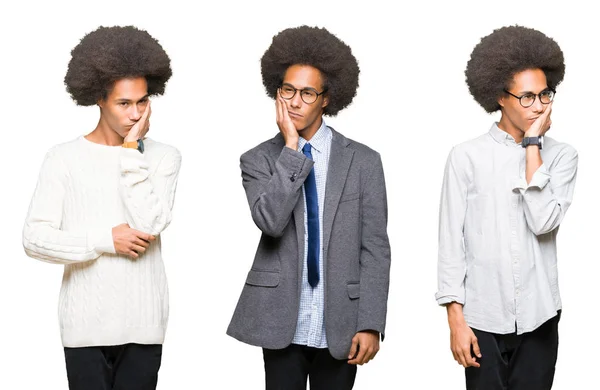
x=308, y=95
x=527, y=100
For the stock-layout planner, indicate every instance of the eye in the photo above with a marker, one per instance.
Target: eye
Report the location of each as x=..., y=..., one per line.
x=123, y=104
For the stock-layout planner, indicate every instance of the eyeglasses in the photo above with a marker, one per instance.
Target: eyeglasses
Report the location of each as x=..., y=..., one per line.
x=527, y=100
x=308, y=95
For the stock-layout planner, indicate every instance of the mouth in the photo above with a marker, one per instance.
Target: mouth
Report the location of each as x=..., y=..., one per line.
x=532, y=119
x=294, y=115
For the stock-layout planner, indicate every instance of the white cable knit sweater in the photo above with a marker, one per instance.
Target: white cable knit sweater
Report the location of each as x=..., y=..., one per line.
x=84, y=190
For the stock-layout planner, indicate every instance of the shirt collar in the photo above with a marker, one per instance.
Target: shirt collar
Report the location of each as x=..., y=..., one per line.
x=319, y=140
x=501, y=136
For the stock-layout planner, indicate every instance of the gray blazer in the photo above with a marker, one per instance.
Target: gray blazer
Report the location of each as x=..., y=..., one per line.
x=356, y=251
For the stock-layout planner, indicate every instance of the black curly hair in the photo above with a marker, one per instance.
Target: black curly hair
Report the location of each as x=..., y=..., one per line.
x=109, y=54
x=505, y=52
x=318, y=48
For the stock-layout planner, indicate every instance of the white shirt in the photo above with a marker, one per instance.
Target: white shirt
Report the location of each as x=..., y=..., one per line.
x=310, y=328
x=497, y=235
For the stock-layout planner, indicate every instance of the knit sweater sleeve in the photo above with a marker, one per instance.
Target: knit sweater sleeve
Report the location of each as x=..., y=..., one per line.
x=43, y=235
x=148, y=194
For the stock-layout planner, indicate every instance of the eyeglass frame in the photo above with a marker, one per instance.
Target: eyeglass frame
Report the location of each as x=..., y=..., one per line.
x=535, y=96
x=301, y=90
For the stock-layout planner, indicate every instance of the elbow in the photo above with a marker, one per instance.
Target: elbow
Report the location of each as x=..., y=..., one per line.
x=270, y=229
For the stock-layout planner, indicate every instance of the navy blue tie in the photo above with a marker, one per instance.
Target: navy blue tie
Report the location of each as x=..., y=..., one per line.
x=312, y=212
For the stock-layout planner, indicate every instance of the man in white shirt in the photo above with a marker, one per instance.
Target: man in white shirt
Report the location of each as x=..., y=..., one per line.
x=504, y=196
x=99, y=207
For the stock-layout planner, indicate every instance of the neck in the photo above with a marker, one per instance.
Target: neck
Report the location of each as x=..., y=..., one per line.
x=506, y=125
x=309, y=132
x=104, y=135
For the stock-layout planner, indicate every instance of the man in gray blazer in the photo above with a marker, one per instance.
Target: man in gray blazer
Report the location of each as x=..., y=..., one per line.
x=315, y=298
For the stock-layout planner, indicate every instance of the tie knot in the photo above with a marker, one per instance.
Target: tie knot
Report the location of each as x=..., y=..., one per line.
x=306, y=148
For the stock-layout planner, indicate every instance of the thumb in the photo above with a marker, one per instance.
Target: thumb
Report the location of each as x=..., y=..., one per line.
x=476, y=347
x=353, y=348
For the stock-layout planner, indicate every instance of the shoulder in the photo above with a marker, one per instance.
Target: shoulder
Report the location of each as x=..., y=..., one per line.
x=361, y=151
x=265, y=148
x=559, y=148
x=158, y=150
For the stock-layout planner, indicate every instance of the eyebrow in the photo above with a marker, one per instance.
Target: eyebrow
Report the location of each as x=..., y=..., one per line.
x=299, y=89
x=129, y=100
x=533, y=93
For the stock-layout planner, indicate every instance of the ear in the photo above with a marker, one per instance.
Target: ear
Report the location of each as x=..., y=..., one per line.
x=501, y=101
x=325, y=101
x=101, y=102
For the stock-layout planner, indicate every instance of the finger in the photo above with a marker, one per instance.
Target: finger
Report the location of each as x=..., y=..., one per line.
x=476, y=348
x=143, y=236
x=138, y=249
x=462, y=358
x=132, y=254
x=353, y=347
x=141, y=242
x=360, y=356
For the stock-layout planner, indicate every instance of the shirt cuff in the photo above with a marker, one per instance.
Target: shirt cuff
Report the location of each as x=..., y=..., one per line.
x=540, y=178
x=444, y=298
x=102, y=241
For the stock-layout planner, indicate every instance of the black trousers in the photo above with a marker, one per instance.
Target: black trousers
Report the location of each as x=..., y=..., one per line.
x=288, y=368
x=511, y=362
x=118, y=367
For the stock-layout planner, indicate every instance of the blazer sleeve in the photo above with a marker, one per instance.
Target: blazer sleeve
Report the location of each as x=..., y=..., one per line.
x=375, y=254
x=273, y=190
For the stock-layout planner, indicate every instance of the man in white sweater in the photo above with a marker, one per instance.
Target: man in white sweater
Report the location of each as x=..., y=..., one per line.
x=99, y=207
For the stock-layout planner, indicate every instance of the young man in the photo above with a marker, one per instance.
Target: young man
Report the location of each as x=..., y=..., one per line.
x=316, y=296
x=99, y=207
x=504, y=196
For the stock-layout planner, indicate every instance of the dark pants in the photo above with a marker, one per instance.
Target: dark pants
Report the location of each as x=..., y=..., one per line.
x=287, y=369
x=511, y=362
x=118, y=367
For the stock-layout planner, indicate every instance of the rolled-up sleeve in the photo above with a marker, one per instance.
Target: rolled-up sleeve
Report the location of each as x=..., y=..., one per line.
x=550, y=193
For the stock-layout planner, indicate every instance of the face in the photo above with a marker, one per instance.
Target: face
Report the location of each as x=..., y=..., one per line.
x=305, y=116
x=124, y=105
x=514, y=115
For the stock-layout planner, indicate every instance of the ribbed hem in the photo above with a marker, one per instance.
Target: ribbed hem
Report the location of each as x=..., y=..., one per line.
x=91, y=337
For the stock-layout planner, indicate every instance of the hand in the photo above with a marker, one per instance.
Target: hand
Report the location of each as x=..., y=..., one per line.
x=541, y=125
x=365, y=346
x=285, y=124
x=461, y=340
x=130, y=242
x=141, y=127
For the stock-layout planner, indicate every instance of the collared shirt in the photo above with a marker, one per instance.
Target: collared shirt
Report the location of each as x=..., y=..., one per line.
x=310, y=329
x=497, y=234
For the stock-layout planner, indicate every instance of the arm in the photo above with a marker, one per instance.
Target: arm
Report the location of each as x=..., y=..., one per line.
x=375, y=255
x=452, y=267
x=273, y=193
x=375, y=258
x=550, y=192
x=451, y=254
x=43, y=237
x=148, y=197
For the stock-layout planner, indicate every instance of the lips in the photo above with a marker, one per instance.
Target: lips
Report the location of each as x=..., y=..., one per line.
x=294, y=115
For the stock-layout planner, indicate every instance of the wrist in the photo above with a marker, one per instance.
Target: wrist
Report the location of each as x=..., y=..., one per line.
x=292, y=144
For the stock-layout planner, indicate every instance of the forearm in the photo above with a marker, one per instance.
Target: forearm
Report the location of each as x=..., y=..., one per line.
x=533, y=160
x=272, y=196
x=455, y=314
x=46, y=243
x=148, y=199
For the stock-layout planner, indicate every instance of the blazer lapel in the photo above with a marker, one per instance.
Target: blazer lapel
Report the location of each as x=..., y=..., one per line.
x=339, y=163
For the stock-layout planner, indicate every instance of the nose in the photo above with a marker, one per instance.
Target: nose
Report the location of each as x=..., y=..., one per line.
x=135, y=114
x=537, y=105
x=296, y=101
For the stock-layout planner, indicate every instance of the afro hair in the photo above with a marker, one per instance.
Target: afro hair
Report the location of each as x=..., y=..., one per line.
x=109, y=54
x=505, y=52
x=320, y=49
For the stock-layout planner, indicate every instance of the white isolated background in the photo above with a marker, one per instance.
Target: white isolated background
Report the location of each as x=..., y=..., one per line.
x=412, y=106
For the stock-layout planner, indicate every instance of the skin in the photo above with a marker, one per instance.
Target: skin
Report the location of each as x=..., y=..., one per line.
x=522, y=122
x=519, y=122
x=124, y=117
x=294, y=119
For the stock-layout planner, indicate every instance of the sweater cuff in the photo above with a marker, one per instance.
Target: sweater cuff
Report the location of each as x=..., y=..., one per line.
x=102, y=241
